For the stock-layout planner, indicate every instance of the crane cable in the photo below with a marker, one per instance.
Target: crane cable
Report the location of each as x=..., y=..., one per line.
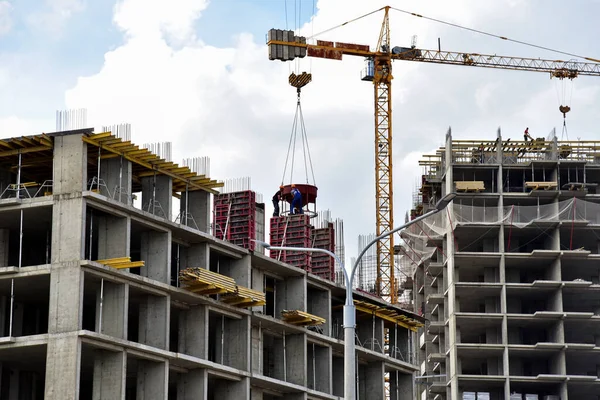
x=460, y=27
x=298, y=120
x=563, y=106
x=496, y=36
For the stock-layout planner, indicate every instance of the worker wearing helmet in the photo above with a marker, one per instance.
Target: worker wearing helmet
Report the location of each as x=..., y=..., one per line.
x=276, y=199
x=296, y=204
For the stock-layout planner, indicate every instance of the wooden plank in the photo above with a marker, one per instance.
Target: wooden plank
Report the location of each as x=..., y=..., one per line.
x=114, y=260
x=298, y=317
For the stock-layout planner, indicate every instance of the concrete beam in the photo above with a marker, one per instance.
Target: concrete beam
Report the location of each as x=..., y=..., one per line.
x=152, y=380
x=109, y=375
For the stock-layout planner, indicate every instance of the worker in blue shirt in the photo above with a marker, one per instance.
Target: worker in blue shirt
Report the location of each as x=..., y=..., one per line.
x=296, y=203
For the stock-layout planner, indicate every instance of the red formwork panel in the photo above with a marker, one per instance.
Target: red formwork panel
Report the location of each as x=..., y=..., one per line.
x=235, y=218
x=292, y=231
x=321, y=264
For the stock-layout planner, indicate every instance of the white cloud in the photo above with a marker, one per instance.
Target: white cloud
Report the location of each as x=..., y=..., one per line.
x=14, y=126
x=5, y=17
x=151, y=18
x=55, y=15
x=484, y=94
x=235, y=105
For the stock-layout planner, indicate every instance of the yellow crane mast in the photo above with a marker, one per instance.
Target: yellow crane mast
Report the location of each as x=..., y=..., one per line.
x=284, y=45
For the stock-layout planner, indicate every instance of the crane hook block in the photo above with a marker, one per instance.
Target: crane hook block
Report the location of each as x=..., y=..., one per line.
x=299, y=81
x=564, y=110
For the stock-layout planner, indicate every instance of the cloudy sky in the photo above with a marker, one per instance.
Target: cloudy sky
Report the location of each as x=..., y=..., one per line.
x=196, y=72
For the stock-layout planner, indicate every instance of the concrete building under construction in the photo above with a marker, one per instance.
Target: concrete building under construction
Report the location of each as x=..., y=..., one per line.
x=508, y=275
x=106, y=296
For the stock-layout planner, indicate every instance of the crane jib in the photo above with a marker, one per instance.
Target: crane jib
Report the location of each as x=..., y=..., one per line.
x=335, y=51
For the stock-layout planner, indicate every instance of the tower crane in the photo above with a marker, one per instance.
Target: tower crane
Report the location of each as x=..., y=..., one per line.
x=284, y=45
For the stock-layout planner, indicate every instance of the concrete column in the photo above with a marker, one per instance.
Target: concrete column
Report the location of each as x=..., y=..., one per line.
x=152, y=380
x=116, y=173
x=114, y=237
x=63, y=364
x=236, y=353
x=198, y=205
x=371, y=335
x=69, y=164
x=115, y=306
x=337, y=365
x=193, y=385
x=66, y=298
x=290, y=294
x=68, y=228
x=109, y=375
x=256, y=393
x=401, y=386
x=371, y=385
x=156, y=252
x=256, y=355
x=399, y=343
x=193, y=332
x=295, y=358
x=13, y=386
x=295, y=396
x=258, y=284
x=319, y=304
x=155, y=193
x=230, y=390
x=319, y=368
x=154, y=321
x=4, y=240
x=18, y=311
x=237, y=268
x=197, y=255
x=5, y=179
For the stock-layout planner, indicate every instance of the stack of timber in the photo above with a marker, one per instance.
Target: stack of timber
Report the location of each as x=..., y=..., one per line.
x=205, y=282
x=245, y=297
x=301, y=318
